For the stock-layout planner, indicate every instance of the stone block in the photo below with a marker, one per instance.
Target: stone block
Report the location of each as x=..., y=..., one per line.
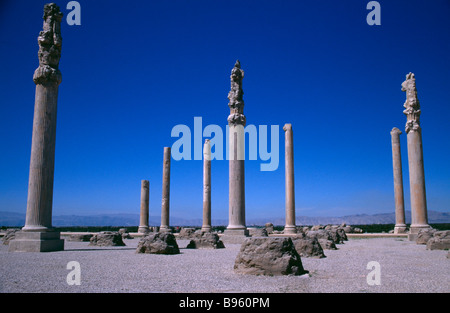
x=268, y=256
x=107, y=238
x=206, y=240
x=158, y=243
x=36, y=242
x=308, y=247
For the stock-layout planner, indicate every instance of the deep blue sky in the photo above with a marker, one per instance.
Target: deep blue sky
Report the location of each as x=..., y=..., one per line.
x=132, y=71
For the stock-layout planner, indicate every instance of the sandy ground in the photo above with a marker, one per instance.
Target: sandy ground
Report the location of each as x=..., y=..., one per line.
x=404, y=268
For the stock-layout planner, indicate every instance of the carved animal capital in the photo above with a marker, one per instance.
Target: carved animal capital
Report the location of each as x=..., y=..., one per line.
x=50, y=42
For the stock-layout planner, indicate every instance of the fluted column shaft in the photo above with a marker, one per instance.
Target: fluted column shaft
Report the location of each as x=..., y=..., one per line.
x=236, y=185
x=289, y=176
x=206, y=186
x=42, y=161
x=165, y=205
x=145, y=197
x=419, y=217
x=400, y=226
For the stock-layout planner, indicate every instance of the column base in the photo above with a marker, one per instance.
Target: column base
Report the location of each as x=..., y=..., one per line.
x=290, y=229
x=400, y=229
x=236, y=232
x=143, y=229
x=163, y=229
x=415, y=228
x=36, y=242
x=206, y=228
x=235, y=235
x=38, y=228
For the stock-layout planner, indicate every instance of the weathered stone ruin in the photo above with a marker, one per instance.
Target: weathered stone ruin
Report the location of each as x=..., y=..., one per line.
x=268, y=256
x=107, y=238
x=158, y=243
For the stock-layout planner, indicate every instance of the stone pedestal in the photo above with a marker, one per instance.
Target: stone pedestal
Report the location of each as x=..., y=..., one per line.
x=38, y=241
x=236, y=123
x=206, y=186
x=400, y=226
x=145, y=191
x=234, y=236
x=37, y=235
x=412, y=236
x=419, y=218
x=290, y=227
x=165, y=191
x=236, y=232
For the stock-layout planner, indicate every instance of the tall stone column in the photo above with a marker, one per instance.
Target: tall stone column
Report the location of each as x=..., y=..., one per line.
x=289, y=228
x=419, y=218
x=165, y=191
x=206, y=186
x=236, y=123
x=145, y=196
x=37, y=235
x=400, y=226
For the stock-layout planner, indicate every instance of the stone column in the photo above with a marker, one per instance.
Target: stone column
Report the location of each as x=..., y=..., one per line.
x=400, y=226
x=37, y=235
x=289, y=228
x=236, y=123
x=419, y=218
x=165, y=191
x=145, y=195
x=206, y=186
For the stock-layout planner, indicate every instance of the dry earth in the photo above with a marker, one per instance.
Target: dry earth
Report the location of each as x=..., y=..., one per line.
x=404, y=268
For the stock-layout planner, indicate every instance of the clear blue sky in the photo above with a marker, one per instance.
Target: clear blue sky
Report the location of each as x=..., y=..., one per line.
x=131, y=72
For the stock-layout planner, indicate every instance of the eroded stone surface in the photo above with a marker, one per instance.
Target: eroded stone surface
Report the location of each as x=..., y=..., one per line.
x=80, y=237
x=50, y=42
x=107, y=238
x=424, y=235
x=308, y=247
x=268, y=256
x=9, y=235
x=158, y=243
x=205, y=240
x=439, y=241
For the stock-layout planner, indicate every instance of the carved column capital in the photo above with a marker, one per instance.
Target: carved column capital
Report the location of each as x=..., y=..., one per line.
x=412, y=105
x=287, y=127
x=50, y=42
x=145, y=184
x=395, y=131
x=395, y=135
x=235, y=96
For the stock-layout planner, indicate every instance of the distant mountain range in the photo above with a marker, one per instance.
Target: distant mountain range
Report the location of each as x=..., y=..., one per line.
x=18, y=219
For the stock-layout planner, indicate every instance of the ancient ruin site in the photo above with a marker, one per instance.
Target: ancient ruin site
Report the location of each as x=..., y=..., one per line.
x=340, y=167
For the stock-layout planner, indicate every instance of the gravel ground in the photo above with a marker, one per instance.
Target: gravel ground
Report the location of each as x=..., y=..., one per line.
x=404, y=267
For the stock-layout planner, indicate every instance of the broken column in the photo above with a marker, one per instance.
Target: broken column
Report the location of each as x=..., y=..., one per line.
x=236, y=123
x=206, y=186
x=400, y=226
x=145, y=191
x=165, y=191
x=289, y=228
x=38, y=235
x=419, y=218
